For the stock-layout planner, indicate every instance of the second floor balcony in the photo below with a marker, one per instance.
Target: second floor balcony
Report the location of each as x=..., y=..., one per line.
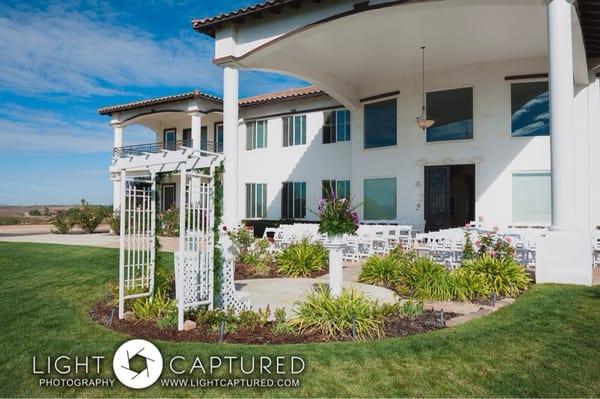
x=153, y=148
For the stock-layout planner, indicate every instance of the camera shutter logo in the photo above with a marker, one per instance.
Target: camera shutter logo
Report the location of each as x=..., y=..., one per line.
x=137, y=364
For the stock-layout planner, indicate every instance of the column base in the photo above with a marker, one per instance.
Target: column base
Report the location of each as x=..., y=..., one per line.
x=564, y=257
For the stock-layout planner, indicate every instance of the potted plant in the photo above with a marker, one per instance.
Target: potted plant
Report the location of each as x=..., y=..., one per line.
x=337, y=217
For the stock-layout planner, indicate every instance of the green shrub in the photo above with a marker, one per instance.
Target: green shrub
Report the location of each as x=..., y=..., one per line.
x=428, y=280
x=281, y=324
x=114, y=221
x=252, y=319
x=334, y=316
x=411, y=308
x=89, y=217
x=302, y=258
x=468, y=250
x=381, y=270
x=504, y=276
x=64, y=221
x=35, y=212
x=242, y=239
x=169, y=222
x=258, y=257
x=160, y=306
x=468, y=285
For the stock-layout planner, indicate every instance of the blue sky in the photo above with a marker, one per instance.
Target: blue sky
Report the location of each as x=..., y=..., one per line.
x=60, y=61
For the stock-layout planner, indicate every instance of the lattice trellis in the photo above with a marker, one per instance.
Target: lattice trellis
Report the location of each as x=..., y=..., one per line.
x=194, y=261
x=136, y=256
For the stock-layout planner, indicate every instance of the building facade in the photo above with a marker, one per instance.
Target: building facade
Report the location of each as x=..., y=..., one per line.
x=511, y=86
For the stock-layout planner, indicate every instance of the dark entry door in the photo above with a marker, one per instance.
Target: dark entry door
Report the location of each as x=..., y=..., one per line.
x=437, y=197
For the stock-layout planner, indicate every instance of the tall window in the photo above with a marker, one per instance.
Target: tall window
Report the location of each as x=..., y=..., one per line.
x=168, y=197
x=294, y=130
x=256, y=135
x=380, y=199
x=293, y=200
x=531, y=198
x=452, y=111
x=380, y=124
x=187, y=137
x=256, y=200
x=530, y=109
x=337, y=126
x=219, y=138
x=336, y=188
x=170, y=139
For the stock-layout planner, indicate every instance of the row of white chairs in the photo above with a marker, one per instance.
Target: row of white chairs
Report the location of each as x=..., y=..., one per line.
x=596, y=247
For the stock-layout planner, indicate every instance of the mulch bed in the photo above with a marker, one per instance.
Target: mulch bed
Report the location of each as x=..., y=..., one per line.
x=395, y=326
x=246, y=272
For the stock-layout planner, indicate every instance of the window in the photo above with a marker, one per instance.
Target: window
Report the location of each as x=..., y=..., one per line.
x=337, y=126
x=337, y=188
x=256, y=135
x=380, y=199
x=380, y=124
x=530, y=109
x=187, y=137
x=170, y=139
x=219, y=138
x=452, y=111
x=294, y=130
x=256, y=200
x=204, y=138
x=293, y=200
x=531, y=198
x=168, y=197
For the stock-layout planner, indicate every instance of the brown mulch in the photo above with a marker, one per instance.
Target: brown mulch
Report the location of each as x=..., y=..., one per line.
x=246, y=272
x=395, y=326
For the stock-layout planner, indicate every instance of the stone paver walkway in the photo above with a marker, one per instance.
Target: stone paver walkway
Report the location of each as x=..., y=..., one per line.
x=468, y=311
x=285, y=292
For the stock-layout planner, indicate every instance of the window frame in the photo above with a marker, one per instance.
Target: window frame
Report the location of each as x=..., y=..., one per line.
x=285, y=202
x=473, y=87
x=530, y=173
x=164, y=143
x=364, y=104
x=252, y=134
x=509, y=107
x=347, y=183
x=286, y=127
x=253, y=212
x=216, y=142
x=395, y=199
x=162, y=195
x=334, y=127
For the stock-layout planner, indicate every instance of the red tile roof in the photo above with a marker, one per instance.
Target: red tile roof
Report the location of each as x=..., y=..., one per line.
x=283, y=95
x=159, y=100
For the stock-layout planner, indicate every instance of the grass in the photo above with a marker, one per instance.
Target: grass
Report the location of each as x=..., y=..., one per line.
x=545, y=345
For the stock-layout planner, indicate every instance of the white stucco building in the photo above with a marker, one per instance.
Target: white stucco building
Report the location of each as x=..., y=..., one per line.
x=511, y=85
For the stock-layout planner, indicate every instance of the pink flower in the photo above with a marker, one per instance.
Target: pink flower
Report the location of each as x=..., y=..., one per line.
x=467, y=224
x=477, y=242
x=493, y=254
x=508, y=239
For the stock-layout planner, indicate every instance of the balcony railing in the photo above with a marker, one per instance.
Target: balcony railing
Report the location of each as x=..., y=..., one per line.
x=153, y=148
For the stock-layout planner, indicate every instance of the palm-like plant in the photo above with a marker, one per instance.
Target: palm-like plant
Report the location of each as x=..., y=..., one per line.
x=302, y=258
x=504, y=276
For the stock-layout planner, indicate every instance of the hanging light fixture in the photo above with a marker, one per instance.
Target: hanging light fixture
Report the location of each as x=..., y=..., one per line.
x=422, y=120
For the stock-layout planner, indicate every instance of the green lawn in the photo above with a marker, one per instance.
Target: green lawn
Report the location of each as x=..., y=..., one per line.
x=546, y=344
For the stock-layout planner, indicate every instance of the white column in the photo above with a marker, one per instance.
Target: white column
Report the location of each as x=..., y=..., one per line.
x=231, y=146
x=118, y=136
x=196, y=129
x=117, y=142
x=560, y=67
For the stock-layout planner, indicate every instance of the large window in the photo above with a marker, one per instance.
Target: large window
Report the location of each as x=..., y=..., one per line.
x=452, y=111
x=336, y=188
x=380, y=124
x=219, y=138
x=188, y=141
x=294, y=130
x=168, y=197
x=170, y=139
x=530, y=109
x=531, y=198
x=256, y=135
x=337, y=126
x=256, y=200
x=380, y=199
x=293, y=200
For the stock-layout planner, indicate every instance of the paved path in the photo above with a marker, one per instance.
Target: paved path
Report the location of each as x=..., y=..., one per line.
x=41, y=234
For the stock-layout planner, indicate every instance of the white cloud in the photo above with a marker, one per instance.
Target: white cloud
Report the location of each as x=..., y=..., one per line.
x=58, y=51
